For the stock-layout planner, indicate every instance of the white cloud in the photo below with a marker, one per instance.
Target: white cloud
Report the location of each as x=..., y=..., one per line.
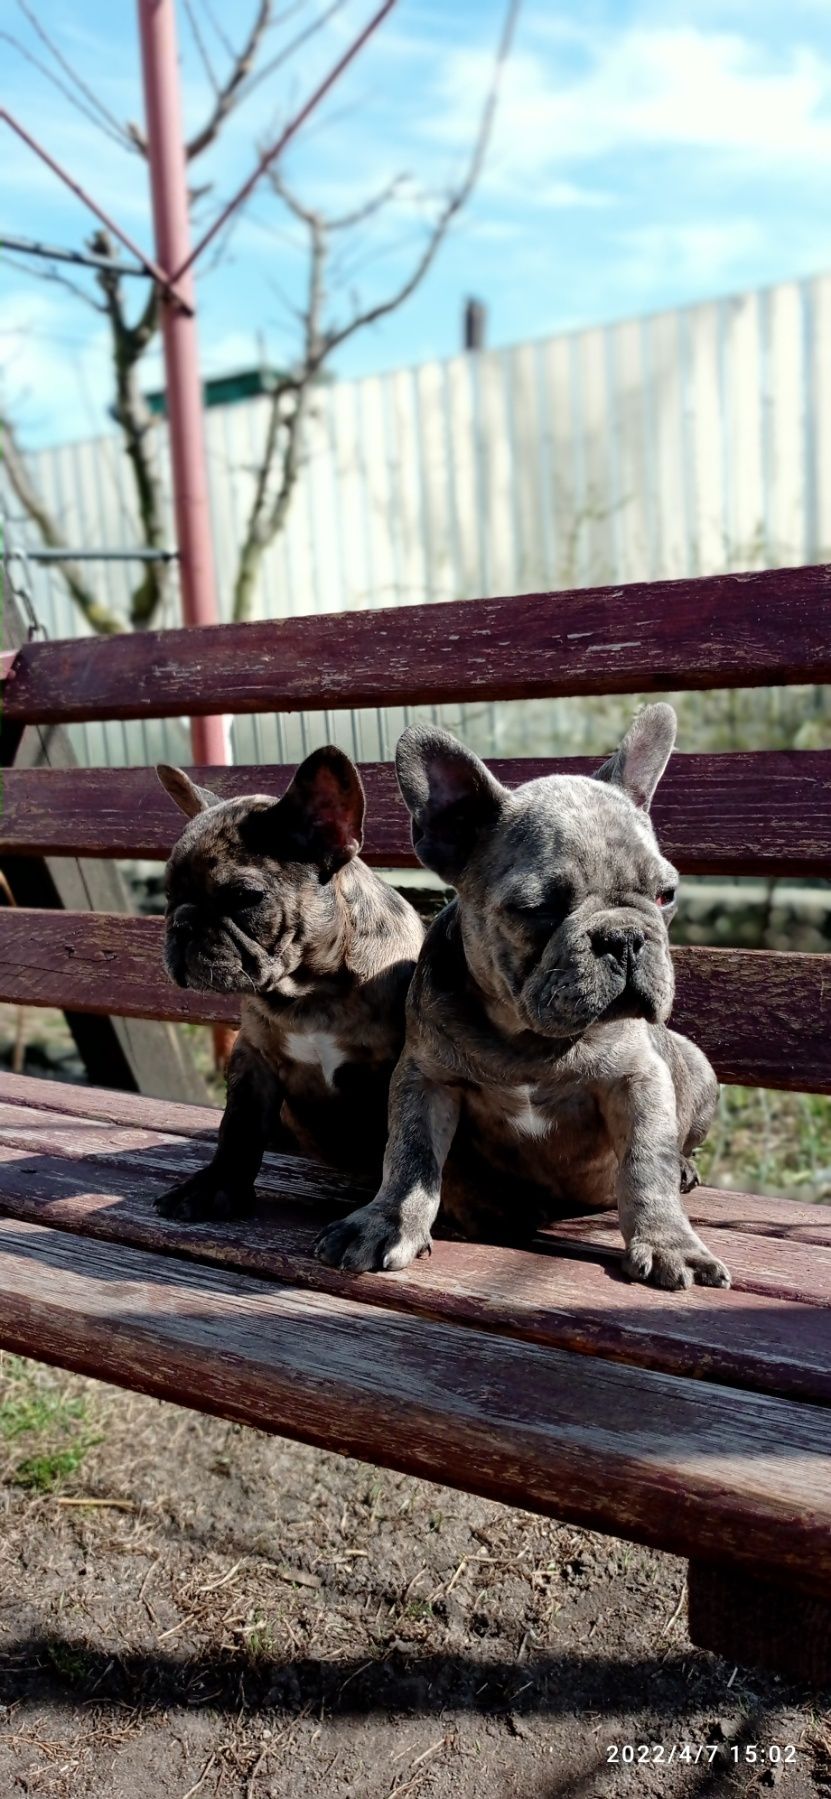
x=644, y=88
x=569, y=194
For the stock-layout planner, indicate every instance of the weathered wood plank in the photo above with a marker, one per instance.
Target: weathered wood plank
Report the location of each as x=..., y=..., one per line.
x=118, y=1052
x=752, y=1214
x=763, y=1342
x=729, y=814
x=690, y=1467
x=91, y=1178
x=170, y=1116
x=760, y=1215
x=102, y=963
x=776, y=1267
x=795, y=1263
x=740, y=1214
x=29, y=1137
x=762, y=1017
x=718, y=631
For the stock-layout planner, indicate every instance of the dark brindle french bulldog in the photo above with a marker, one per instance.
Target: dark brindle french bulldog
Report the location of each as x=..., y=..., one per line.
x=536, y=1043
x=267, y=898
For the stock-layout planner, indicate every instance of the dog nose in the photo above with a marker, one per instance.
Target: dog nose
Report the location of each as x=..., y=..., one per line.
x=621, y=945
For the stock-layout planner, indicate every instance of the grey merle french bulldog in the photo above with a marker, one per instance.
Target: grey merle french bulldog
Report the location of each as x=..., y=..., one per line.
x=269, y=899
x=537, y=1055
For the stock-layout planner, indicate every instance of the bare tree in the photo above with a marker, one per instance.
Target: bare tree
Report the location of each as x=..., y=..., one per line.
x=281, y=461
x=321, y=334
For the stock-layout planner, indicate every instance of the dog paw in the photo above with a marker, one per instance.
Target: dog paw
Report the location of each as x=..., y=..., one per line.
x=367, y=1241
x=690, y=1176
x=674, y=1262
x=198, y=1200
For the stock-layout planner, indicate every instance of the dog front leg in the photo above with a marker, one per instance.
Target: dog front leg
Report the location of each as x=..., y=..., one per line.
x=395, y=1227
x=661, y=1245
x=225, y=1189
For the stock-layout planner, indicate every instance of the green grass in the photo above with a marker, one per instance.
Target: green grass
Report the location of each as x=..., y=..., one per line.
x=259, y=1641
x=35, y=1406
x=43, y=1473
x=417, y=1609
x=780, y=1142
x=33, y=1411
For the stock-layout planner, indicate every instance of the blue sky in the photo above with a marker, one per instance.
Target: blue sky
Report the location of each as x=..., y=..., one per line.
x=645, y=155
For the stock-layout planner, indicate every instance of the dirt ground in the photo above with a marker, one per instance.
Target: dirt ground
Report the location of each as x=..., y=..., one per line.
x=191, y=1607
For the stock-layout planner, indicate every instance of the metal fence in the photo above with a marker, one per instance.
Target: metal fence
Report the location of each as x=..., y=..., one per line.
x=689, y=442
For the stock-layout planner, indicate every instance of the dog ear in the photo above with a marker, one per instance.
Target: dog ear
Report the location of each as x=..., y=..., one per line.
x=320, y=817
x=639, y=762
x=452, y=797
x=189, y=798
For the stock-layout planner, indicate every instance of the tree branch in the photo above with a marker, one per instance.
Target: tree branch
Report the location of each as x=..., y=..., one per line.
x=135, y=421
x=123, y=139
x=282, y=451
x=49, y=272
x=454, y=204
x=370, y=207
x=296, y=43
x=228, y=94
x=221, y=34
x=199, y=40
x=269, y=512
x=93, y=99
x=14, y=462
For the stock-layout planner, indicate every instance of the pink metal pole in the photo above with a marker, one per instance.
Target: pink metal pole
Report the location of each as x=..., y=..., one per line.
x=168, y=177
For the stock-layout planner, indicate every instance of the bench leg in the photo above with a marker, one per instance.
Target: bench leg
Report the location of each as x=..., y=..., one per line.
x=757, y=1622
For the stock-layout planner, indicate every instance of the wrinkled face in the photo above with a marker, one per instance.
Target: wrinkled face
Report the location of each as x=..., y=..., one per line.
x=239, y=921
x=251, y=906
x=564, y=908
x=564, y=896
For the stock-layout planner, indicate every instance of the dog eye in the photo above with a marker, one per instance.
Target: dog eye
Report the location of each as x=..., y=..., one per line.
x=242, y=899
x=545, y=917
x=666, y=896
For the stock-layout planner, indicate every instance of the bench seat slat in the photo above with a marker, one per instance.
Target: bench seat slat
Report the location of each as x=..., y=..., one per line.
x=792, y=1259
x=765, y=813
x=774, y=1266
x=761, y=1016
x=90, y=1178
x=767, y=1215
x=683, y=1464
x=31, y=1093
x=714, y=631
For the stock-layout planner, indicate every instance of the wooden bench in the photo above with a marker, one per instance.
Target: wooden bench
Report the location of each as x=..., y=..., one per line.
x=697, y=1422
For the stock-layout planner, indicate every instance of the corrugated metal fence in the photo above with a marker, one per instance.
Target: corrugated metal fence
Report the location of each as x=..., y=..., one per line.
x=688, y=442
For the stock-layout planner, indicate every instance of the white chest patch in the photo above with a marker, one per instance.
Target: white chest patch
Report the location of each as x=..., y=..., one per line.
x=315, y=1046
x=525, y=1119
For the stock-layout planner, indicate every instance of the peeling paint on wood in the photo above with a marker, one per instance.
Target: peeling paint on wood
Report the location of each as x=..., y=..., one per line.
x=765, y=813
x=761, y=1016
x=715, y=631
x=691, y=1467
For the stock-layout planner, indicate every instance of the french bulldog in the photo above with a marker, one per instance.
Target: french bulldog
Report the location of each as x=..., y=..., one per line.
x=536, y=1040
x=269, y=899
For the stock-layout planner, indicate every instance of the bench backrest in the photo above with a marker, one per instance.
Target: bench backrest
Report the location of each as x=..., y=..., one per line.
x=763, y=1017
